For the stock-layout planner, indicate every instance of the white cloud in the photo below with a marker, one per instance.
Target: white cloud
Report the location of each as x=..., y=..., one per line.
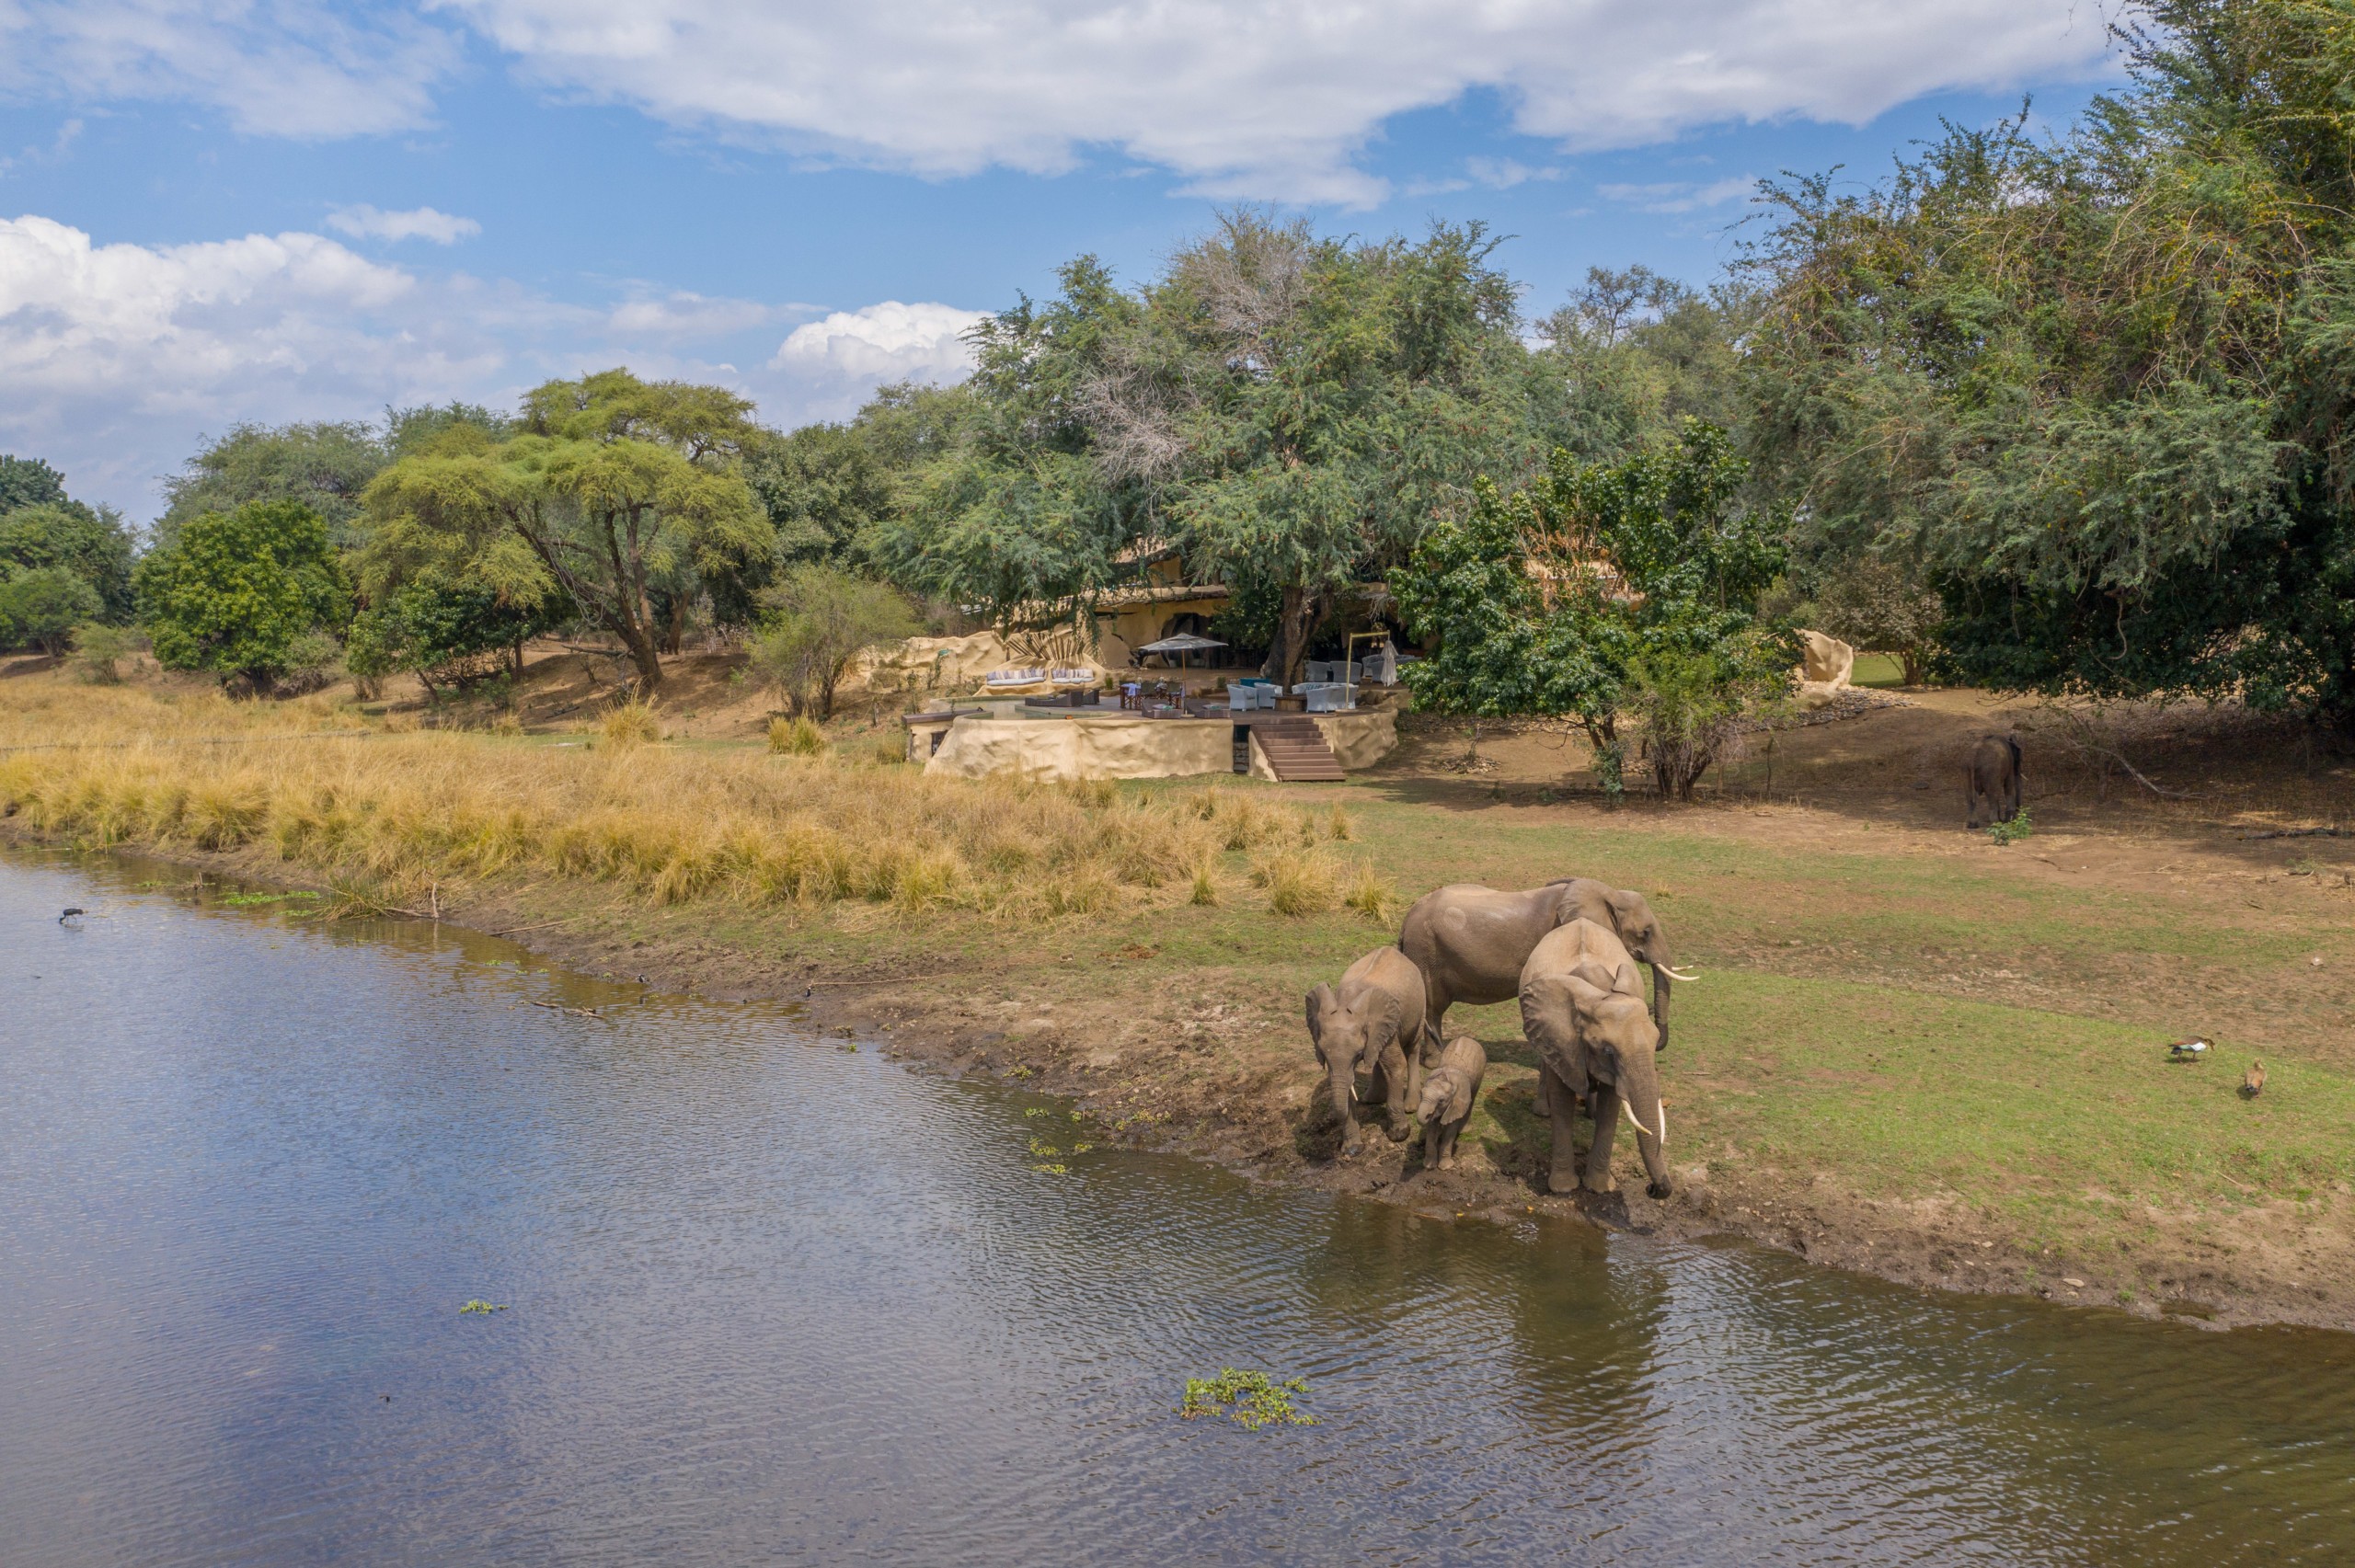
x=1244, y=98
x=686, y=315
x=1681, y=196
x=116, y=359
x=364, y=221
x=275, y=67
x=1503, y=174
x=891, y=341
x=114, y=355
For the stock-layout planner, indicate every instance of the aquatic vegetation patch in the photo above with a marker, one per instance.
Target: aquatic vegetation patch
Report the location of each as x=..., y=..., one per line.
x=483, y=1308
x=1251, y=1400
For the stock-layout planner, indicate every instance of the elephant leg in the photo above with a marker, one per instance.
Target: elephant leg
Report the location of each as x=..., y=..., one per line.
x=1596, y=1177
x=1435, y=1005
x=1563, y=1166
x=1447, y=1149
x=1394, y=1081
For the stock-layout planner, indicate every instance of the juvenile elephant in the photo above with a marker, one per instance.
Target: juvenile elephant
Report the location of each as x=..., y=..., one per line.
x=1445, y=1103
x=1369, y=1025
x=1583, y=1007
x=1992, y=780
x=1471, y=942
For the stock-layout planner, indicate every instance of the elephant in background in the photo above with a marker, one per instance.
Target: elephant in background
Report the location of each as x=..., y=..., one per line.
x=1369, y=1025
x=1583, y=1007
x=1445, y=1103
x=1471, y=942
x=1992, y=780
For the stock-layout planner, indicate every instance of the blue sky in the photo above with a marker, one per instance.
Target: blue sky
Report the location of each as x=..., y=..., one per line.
x=280, y=209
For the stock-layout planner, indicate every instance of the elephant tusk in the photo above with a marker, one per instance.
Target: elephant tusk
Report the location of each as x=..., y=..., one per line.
x=1679, y=975
x=1661, y=1136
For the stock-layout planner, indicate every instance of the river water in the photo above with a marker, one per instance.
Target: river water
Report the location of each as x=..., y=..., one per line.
x=769, y=1299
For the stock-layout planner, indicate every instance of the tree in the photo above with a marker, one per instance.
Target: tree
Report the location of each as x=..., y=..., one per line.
x=40, y=608
x=233, y=591
x=615, y=488
x=1553, y=600
x=2099, y=385
x=821, y=619
x=1288, y=413
x=1875, y=603
x=323, y=466
x=92, y=544
x=28, y=482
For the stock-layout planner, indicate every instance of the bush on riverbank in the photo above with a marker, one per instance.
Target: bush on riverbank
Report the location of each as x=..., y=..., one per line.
x=397, y=813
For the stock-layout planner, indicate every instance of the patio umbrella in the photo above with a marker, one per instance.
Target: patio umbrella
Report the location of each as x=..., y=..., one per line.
x=1181, y=645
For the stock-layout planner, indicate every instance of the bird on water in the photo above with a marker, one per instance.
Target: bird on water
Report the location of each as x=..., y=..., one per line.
x=68, y=916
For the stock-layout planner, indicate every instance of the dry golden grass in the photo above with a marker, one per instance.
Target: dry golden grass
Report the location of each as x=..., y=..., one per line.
x=391, y=814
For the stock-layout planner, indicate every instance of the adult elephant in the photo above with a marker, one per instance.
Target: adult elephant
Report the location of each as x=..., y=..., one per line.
x=1583, y=1007
x=1991, y=780
x=1470, y=941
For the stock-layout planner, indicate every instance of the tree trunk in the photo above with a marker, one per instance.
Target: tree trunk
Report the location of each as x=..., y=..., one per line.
x=1303, y=608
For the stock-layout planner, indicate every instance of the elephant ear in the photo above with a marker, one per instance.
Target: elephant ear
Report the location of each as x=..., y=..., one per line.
x=1385, y=1010
x=1549, y=1019
x=1322, y=1002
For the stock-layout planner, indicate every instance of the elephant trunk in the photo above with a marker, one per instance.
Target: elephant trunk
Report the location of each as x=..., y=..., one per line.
x=1660, y=985
x=1344, y=1074
x=1639, y=1099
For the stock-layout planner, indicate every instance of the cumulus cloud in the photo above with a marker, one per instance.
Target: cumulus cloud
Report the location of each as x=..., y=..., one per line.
x=1249, y=100
x=891, y=341
x=114, y=355
x=117, y=358
x=364, y=221
x=1681, y=195
x=274, y=67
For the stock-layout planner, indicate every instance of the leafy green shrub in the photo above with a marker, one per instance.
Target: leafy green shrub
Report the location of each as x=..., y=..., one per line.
x=99, y=650
x=41, y=608
x=231, y=592
x=2012, y=831
x=1691, y=705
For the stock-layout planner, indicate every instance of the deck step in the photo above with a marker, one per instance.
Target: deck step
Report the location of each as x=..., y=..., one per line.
x=1296, y=750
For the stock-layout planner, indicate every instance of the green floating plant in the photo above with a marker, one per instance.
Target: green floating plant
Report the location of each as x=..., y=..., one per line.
x=1251, y=1400
x=485, y=1307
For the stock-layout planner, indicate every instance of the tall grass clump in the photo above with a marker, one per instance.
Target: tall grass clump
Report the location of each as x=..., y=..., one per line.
x=629, y=724
x=1299, y=880
x=796, y=737
x=386, y=816
x=1373, y=895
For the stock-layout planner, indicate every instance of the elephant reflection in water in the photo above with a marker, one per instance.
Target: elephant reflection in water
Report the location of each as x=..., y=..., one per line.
x=1582, y=1008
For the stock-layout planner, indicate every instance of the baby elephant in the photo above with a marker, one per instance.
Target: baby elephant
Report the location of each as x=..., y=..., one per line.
x=1370, y=1026
x=1446, y=1102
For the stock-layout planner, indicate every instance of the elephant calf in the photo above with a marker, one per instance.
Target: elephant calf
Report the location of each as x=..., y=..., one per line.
x=1992, y=780
x=1583, y=1007
x=1445, y=1103
x=1369, y=1025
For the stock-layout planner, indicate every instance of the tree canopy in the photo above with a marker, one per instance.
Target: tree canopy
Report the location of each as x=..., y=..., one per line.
x=234, y=592
x=2097, y=387
x=615, y=491
x=1286, y=412
x=1558, y=599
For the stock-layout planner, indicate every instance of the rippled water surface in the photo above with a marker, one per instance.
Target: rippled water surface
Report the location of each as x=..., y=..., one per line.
x=770, y=1300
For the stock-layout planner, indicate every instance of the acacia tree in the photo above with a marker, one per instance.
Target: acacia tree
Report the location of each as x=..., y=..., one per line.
x=2101, y=386
x=616, y=487
x=1288, y=413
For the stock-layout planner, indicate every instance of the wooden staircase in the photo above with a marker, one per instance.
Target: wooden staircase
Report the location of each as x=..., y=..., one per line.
x=1295, y=748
